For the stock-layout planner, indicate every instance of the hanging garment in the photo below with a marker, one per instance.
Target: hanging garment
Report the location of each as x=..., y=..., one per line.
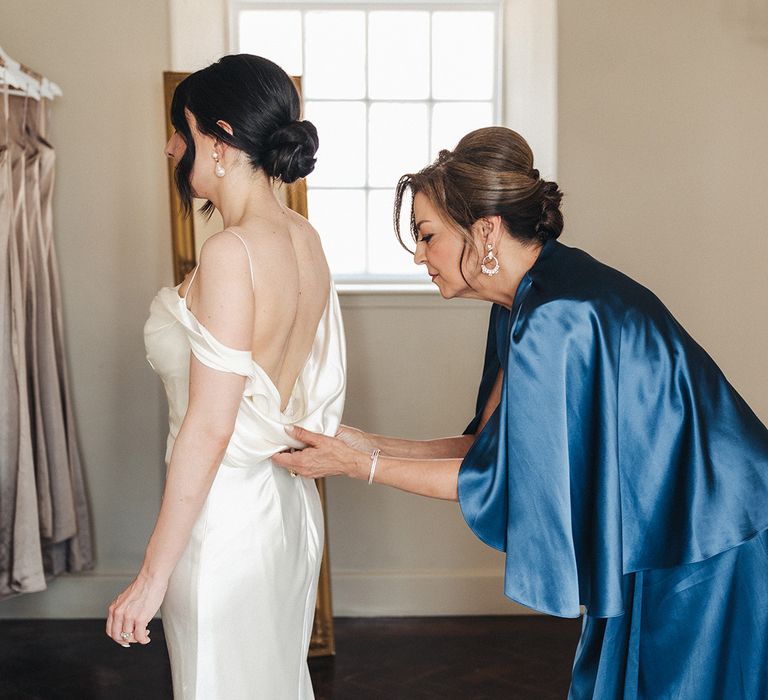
x=25, y=572
x=9, y=389
x=66, y=552
x=33, y=275
x=44, y=523
x=59, y=523
x=621, y=471
x=240, y=604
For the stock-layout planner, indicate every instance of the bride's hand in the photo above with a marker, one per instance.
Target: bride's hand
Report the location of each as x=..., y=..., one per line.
x=356, y=439
x=132, y=610
x=322, y=456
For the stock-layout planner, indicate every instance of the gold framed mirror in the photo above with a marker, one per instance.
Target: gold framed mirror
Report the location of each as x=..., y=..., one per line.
x=185, y=245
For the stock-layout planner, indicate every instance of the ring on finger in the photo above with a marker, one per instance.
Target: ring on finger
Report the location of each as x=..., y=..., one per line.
x=126, y=635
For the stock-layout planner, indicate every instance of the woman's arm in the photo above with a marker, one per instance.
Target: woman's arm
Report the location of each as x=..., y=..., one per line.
x=439, y=448
x=224, y=303
x=327, y=456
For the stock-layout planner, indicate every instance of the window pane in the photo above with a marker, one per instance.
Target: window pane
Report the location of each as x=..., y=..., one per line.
x=335, y=61
x=339, y=217
x=341, y=155
x=452, y=120
x=462, y=55
x=385, y=254
x=397, y=141
x=398, y=69
x=274, y=34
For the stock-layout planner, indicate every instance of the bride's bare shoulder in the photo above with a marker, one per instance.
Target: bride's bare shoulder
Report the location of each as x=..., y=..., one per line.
x=301, y=225
x=224, y=251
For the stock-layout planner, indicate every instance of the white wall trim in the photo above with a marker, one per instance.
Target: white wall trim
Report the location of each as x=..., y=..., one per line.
x=71, y=596
x=530, y=77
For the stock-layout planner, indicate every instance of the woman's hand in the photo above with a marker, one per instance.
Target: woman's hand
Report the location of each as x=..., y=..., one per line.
x=356, y=439
x=322, y=456
x=132, y=610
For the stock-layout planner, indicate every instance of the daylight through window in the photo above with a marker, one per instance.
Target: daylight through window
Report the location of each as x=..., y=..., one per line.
x=387, y=89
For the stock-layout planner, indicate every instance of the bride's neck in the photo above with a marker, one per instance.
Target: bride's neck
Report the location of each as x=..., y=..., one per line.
x=244, y=197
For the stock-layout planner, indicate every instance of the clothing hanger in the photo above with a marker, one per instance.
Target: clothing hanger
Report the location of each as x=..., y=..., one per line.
x=11, y=75
x=53, y=89
x=34, y=82
x=21, y=79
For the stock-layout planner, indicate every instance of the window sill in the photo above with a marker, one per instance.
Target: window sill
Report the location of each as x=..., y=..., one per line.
x=385, y=288
x=399, y=295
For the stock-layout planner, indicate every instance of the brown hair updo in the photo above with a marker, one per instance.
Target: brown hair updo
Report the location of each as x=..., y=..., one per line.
x=490, y=172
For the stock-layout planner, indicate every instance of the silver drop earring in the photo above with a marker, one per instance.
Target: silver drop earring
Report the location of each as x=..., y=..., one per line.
x=219, y=169
x=490, y=259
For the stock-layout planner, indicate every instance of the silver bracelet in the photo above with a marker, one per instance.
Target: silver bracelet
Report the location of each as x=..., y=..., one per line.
x=374, y=461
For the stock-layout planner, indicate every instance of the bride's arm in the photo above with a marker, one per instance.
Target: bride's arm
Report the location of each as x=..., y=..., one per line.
x=439, y=448
x=226, y=308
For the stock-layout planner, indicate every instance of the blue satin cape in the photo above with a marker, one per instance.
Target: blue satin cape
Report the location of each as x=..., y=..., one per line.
x=622, y=472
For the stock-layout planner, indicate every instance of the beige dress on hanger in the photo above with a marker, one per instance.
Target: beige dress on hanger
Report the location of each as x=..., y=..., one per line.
x=44, y=521
x=9, y=389
x=48, y=411
x=32, y=344
x=73, y=552
x=25, y=573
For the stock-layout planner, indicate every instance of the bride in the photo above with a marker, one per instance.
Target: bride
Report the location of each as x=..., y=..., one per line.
x=250, y=342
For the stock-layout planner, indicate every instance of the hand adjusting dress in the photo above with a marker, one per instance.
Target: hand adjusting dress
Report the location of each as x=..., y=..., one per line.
x=239, y=608
x=622, y=472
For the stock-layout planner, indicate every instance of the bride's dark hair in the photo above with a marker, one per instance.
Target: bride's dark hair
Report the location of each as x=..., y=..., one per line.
x=259, y=101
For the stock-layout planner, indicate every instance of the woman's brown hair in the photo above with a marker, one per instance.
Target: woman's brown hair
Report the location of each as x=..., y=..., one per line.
x=489, y=173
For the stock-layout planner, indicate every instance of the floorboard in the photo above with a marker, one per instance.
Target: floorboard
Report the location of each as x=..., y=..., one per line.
x=466, y=658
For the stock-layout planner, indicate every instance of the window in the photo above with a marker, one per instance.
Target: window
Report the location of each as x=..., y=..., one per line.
x=388, y=86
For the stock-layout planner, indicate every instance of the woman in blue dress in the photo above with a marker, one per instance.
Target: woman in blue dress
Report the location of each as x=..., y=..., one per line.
x=609, y=457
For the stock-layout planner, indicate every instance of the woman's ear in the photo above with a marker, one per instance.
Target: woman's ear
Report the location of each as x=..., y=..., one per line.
x=490, y=228
x=225, y=125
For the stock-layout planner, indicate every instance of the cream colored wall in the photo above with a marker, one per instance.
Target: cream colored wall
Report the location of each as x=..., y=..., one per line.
x=663, y=150
x=111, y=218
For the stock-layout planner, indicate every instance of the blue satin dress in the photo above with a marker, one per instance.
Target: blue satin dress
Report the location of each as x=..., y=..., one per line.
x=623, y=473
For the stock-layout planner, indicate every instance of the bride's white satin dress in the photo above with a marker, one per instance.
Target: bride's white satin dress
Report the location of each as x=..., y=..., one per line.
x=239, y=608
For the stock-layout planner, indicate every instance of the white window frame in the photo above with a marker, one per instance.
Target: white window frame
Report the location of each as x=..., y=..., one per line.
x=373, y=281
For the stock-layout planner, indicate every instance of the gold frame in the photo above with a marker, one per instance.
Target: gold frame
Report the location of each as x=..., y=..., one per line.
x=184, y=260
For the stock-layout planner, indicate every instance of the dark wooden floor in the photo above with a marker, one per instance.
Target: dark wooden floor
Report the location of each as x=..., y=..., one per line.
x=467, y=658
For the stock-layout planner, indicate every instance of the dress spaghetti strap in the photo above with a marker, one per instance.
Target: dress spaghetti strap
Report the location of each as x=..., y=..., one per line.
x=250, y=264
x=247, y=252
x=191, y=280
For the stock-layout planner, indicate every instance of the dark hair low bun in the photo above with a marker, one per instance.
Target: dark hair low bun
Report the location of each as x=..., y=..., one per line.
x=260, y=103
x=550, y=224
x=290, y=154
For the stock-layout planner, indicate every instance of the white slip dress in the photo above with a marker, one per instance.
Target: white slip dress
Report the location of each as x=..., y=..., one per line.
x=239, y=608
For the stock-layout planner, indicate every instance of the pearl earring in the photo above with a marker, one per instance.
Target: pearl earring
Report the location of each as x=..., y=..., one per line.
x=490, y=259
x=219, y=169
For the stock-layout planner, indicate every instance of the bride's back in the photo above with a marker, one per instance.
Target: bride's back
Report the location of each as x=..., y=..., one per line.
x=291, y=286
